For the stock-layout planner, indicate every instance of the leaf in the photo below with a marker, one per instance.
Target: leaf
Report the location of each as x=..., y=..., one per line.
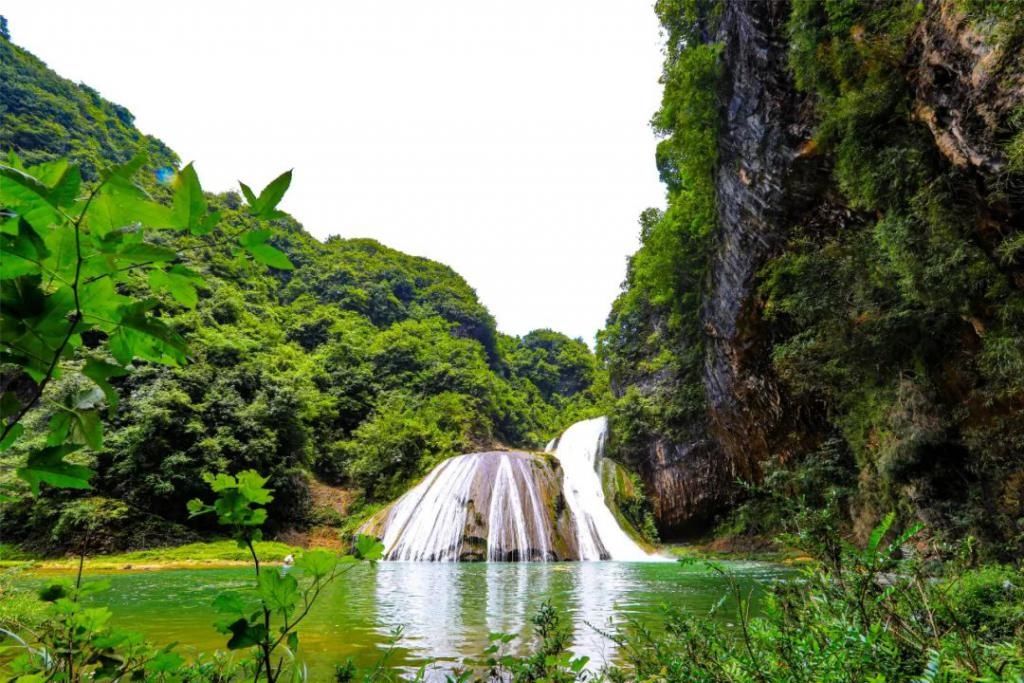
x=178, y=283
x=86, y=428
x=229, y=602
x=9, y=405
x=165, y=662
x=144, y=253
x=12, y=436
x=270, y=256
x=369, y=548
x=65, y=191
x=48, y=466
x=100, y=372
x=878, y=533
x=265, y=206
x=247, y=192
x=119, y=203
x=189, y=201
x=318, y=563
x=254, y=237
x=251, y=485
x=53, y=592
x=279, y=593
x=197, y=507
x=22, y=253
x=245, y=634
x=59, y=427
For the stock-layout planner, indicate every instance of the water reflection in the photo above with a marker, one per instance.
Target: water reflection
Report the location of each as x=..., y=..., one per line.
x=447, y=609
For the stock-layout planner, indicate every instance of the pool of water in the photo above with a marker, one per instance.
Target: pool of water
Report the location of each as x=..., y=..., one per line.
x=445, y=610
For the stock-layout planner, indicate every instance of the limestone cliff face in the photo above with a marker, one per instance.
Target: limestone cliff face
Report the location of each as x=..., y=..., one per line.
x=763, y=184
x=770, y=178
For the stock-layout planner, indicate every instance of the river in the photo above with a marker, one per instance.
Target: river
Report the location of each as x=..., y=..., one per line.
x=445, y=610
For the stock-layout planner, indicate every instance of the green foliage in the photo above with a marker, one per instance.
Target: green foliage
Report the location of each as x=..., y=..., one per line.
x=654, y=328
x=47, y=117
x=898, y=319
x=856, y=615
x=74, y=642
x=283, y=601
x=70, y=255
x=346, y=356
x=548, y=658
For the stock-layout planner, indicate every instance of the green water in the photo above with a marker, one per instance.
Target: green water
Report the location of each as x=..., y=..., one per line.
x=446, y=610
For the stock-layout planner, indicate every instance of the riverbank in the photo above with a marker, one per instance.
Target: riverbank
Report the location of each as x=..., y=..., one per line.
x=206, y=554
x=224, y=554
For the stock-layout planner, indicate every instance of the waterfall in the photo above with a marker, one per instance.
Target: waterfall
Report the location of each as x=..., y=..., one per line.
x=598, y=534
x=511, y=506
x=469, y=498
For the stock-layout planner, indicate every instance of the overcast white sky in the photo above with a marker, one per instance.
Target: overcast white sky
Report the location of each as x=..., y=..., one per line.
x=506, y=139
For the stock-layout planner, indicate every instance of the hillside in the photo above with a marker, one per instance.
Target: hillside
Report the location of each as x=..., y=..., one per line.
x=830, y=309
x=361, y=367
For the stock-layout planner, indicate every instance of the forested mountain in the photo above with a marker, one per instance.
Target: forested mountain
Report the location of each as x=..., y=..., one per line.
x=831, y=306
x=362, y=366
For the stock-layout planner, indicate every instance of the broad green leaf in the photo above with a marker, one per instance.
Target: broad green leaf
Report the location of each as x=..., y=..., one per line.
x=9, y=225
x=23, y=253
x=65, y=192
x=48, y=173
x=254, y=237
x=59, y=427
x=101, y=303
x=318, y=563
x=270, y=256
x=189, y=201
x=265, y=206
x=48, y=466
x=12, y=435
x=178, y=282
x=251, y=485
x=245, y=634
x=127, y=170
x=197, y=507
x=220, y=482
x=165, y=662
x=144, y=253
x=229, y=602
x=100, y=372
x=119, y=204
x=369, y=548
x=140, y=335
x=86, y=428
x=279, y=593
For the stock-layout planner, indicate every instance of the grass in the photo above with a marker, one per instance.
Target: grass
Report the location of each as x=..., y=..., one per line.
x=208, y=554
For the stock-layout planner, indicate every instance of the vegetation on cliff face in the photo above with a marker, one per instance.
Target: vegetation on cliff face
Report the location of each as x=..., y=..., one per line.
x=361, y=365
x=653, y=342
x=892, y=314
x=903, y=321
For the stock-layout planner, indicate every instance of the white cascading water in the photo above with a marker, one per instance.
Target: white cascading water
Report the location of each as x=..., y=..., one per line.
x=502, y=489
x=429, y=522
x=598, y=533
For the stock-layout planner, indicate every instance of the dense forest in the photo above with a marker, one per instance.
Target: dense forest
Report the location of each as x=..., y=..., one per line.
x=359, y=368
x=831, y=306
